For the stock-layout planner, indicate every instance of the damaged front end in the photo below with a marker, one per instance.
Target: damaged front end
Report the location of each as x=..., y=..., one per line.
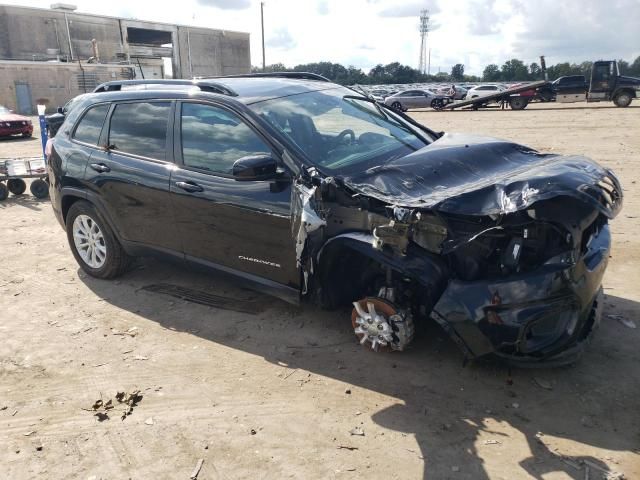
x=504, y=247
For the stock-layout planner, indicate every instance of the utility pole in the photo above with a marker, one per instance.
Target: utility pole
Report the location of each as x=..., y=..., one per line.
x=429, y=64
x=264, y=65
x=424, y=29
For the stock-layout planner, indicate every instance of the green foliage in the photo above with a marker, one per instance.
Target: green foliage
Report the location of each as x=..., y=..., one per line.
x=491, y=73
x=513, y=70
x=457, y=72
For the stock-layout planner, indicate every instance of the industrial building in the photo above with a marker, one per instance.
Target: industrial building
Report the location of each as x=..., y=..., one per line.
x=48, y=56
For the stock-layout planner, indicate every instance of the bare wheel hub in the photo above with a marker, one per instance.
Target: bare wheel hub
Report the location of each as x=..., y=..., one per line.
x=377, y=323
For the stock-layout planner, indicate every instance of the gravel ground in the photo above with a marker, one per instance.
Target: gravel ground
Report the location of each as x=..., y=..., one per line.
x=279, y=392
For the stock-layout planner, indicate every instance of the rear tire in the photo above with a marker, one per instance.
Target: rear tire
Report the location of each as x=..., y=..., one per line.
x=623, y=99
x=17, y=186
x=39, y=189
x=518, y=103
x=4, y=192
x=397, y=106
x=93, y=243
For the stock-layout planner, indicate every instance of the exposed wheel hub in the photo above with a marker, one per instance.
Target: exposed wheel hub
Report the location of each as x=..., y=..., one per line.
x=378, y=323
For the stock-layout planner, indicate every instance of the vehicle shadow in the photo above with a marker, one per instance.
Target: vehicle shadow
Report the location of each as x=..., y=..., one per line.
x=457, y=414
x=24, y=200
x=19, y=139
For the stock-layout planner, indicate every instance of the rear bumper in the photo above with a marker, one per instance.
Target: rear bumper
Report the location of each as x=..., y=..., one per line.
x=546, y=316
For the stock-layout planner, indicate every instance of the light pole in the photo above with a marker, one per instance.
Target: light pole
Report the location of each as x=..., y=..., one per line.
x=262, y=22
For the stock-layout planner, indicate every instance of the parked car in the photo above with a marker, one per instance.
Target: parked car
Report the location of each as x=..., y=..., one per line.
x=55, y=120
x=483, y=90
x=315, y=193
x=459, y=94
x=12, y=124
x=403, y=101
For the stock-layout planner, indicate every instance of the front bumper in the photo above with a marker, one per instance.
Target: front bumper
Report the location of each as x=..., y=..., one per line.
x=21, y=130
x=544, y=316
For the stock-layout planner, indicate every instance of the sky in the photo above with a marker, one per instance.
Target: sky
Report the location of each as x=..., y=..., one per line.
x=364, y=33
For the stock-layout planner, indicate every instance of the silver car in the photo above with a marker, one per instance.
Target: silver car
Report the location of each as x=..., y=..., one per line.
x=403, y=101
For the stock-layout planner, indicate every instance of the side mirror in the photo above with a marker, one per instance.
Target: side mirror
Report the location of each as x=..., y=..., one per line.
x=60, y=110
x=255, y=167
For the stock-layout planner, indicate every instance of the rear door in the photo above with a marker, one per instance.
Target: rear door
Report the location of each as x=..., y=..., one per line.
x=130, y=174
x=244, y=226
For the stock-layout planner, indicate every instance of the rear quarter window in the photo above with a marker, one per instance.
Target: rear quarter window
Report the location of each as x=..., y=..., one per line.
x=90, y=125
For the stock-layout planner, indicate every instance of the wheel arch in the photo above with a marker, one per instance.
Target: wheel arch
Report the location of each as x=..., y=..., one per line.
x=336, y=259
x=624, y=89
x=71, y=196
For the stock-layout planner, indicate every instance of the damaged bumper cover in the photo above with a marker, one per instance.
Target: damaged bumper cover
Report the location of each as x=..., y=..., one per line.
x=544, y=316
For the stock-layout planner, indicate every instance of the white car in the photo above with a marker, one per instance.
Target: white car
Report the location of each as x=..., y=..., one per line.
x=483, y=91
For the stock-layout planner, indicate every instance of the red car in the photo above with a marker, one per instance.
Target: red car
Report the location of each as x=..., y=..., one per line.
x=13, y=124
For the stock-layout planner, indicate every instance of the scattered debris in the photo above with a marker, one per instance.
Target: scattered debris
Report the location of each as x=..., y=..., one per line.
x=130, y=400
x=348, y=391
x=492, y=442
x=543, y=383
x=132, y=332
x=290, y=373
x=346, y=447
x=39, y=448
x=357, y=431
x=197, y=469
x=624, y=321
x=140, y=357
x=4, y=407
x=101, y=408
x=100, y=364
x=253, y=431
x=29, y=433
x=149, y=421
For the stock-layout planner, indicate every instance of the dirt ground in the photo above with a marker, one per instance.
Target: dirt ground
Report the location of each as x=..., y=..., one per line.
x=274, y=391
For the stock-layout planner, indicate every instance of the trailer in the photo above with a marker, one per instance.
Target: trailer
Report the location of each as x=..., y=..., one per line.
x=14, y=171
x=511, y=96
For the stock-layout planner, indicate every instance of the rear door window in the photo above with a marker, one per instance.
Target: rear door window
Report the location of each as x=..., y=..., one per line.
x=90, y=126
x=140, y=129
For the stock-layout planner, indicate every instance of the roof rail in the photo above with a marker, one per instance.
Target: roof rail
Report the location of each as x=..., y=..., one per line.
x=204, y=85
x=295, y=75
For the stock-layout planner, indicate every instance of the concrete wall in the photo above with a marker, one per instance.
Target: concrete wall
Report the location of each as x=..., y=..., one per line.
x=53, y=84
x=27, y=33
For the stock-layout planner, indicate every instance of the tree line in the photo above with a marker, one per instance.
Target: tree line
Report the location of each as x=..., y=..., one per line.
x=512, y=70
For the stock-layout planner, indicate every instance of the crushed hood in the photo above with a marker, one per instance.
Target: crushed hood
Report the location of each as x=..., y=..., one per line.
x=474, y=175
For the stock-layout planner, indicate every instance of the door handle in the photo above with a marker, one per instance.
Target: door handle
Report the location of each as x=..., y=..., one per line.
x=190, y=187
x=100, y=167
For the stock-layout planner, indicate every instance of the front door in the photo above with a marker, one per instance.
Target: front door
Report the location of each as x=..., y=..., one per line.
x=131, y=175
x=603, y=77
x=242, y=226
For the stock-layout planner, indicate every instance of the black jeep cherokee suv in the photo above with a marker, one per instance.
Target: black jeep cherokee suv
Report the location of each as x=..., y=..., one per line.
x=313, y=191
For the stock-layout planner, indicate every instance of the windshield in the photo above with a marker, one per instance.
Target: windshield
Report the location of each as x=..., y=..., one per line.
x=3, y=109
x=340, y=131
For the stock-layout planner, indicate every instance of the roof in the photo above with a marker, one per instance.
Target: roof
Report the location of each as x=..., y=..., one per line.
x=247, y=89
